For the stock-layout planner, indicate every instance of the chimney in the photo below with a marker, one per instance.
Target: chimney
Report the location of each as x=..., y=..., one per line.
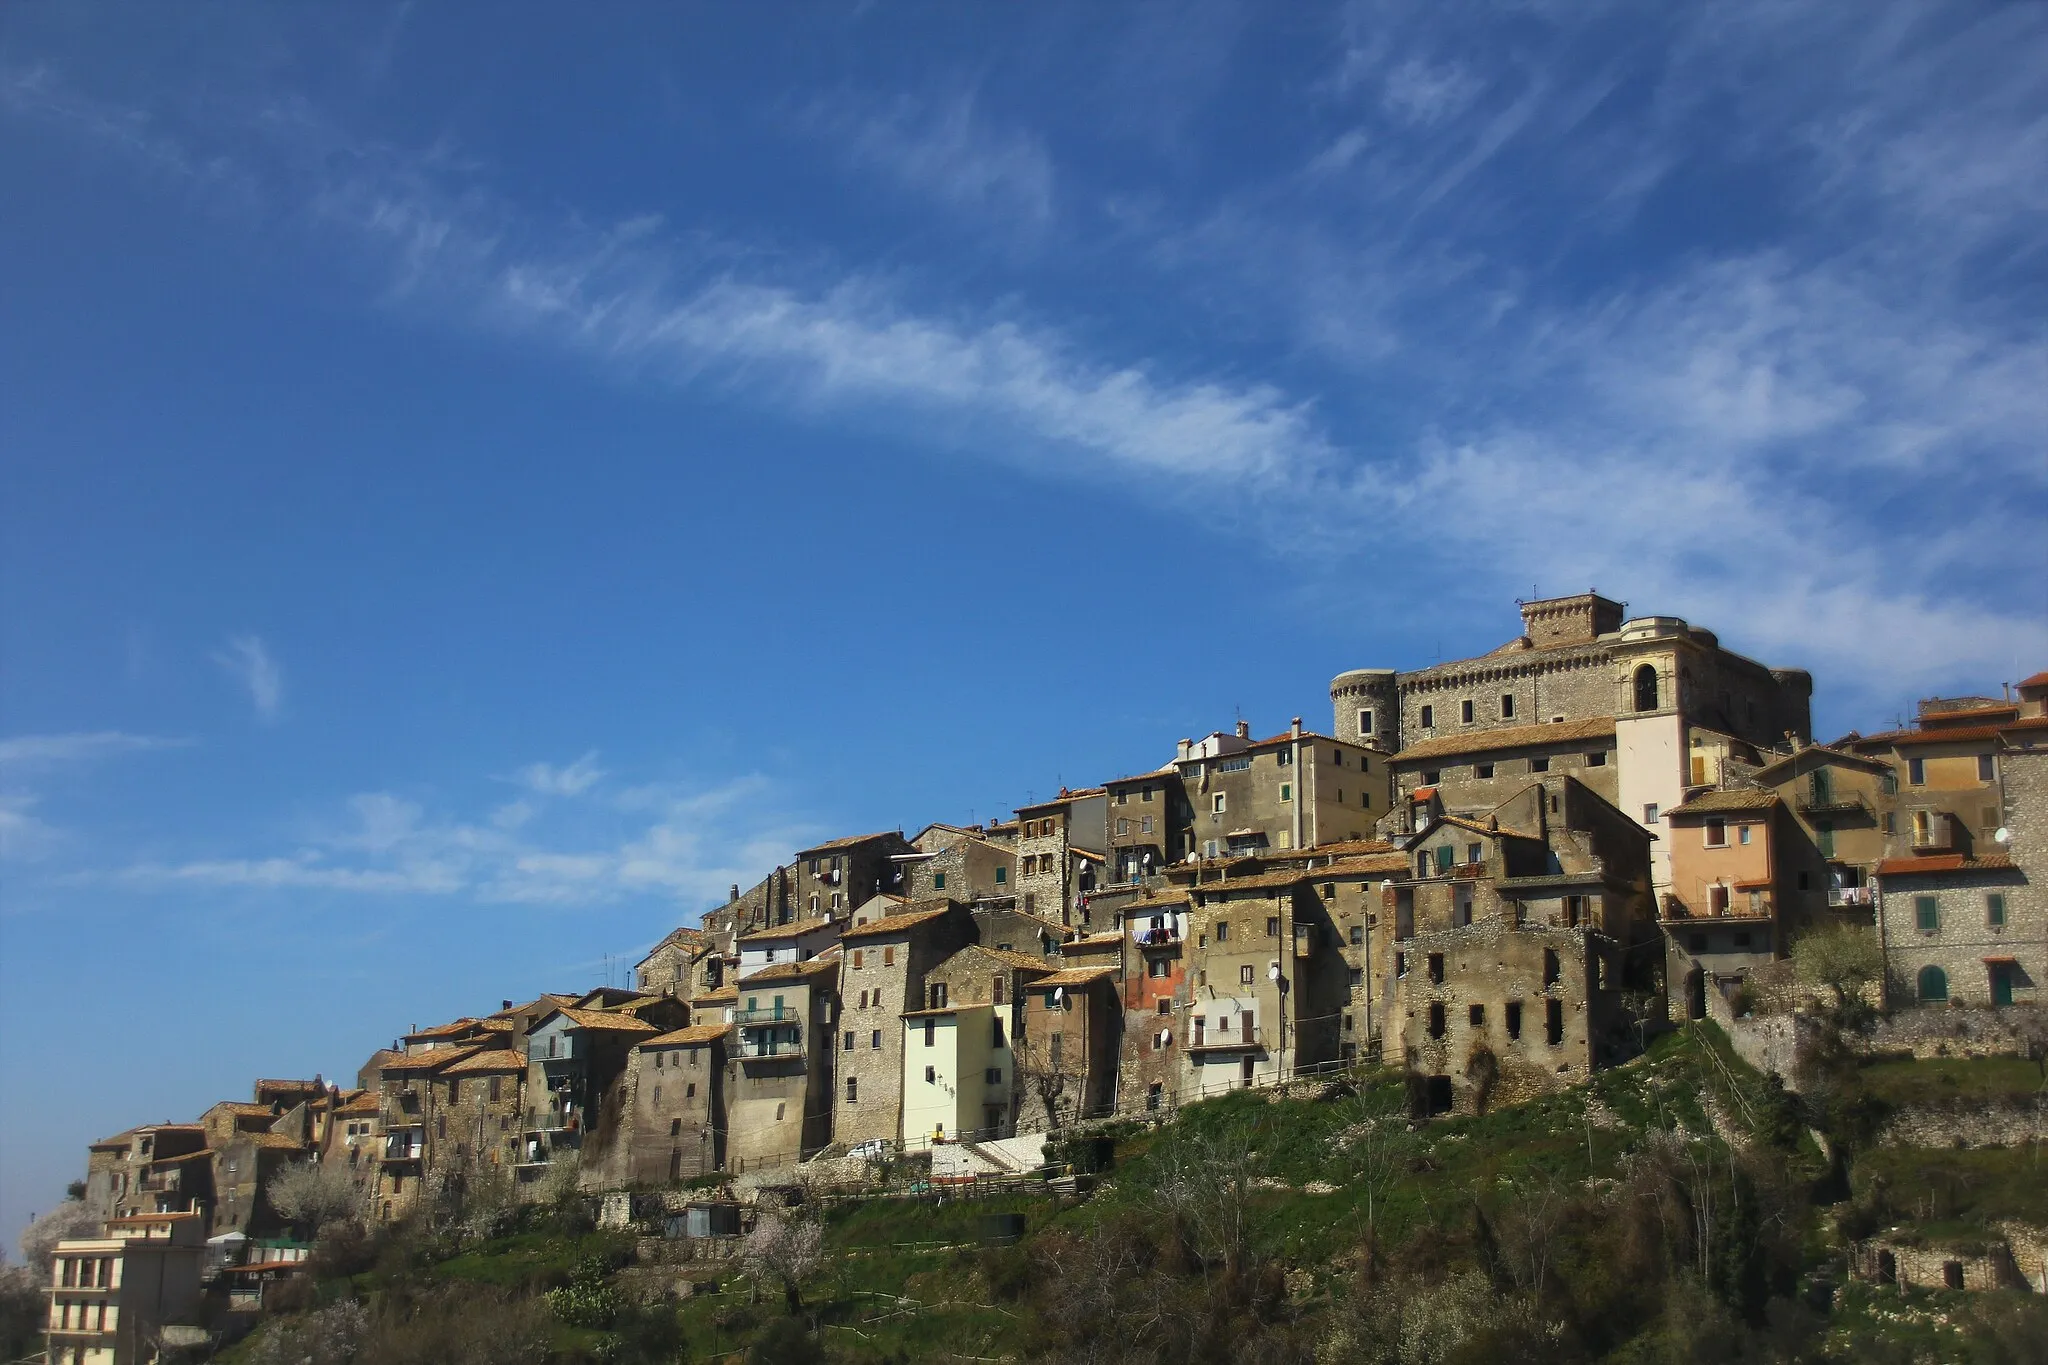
x=504, y=1004
x=1297, y=727
x=735, y=893
x=1244, y=729
x=1181, y=749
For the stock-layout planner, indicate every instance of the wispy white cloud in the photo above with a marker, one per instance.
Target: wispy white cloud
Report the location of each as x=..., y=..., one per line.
x=45, y=751
x=247, y=660
x=23, y=834
x=947, y=150
x=571, y=779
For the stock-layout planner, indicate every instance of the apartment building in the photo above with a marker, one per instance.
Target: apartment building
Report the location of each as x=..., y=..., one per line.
x=111, y=1296
x=779, y=1090
x=1062, y=851
x=888, y=952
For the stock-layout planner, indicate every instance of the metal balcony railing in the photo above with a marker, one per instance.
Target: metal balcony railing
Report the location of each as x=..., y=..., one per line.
x=772, y=1014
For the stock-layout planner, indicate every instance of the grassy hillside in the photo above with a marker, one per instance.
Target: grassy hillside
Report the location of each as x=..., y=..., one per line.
x=1665, y=1212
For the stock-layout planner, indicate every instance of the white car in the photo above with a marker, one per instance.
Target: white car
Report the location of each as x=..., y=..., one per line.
x=874, y=1149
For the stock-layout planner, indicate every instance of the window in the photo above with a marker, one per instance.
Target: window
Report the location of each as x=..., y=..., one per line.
x=1550, y=968
x=1428, y=717
x=938, y=881
x=1283, y=758
x=1436, y=1020
x=1742, y=835
x=690, y=1091
x=1513, y=1011
x=1923, y=829
x=1476, y=1016
x=1272, y=926
x=888, y=957
x=931, y=1075
x=1244, y=975
x=1436, y=969
x=1430, y=776
x=1650, y=813
x=1482, y=770
x=1365, y=722
x=1444, y=858
x=1223, y=931
x=1217, y=803
x=1889, y=784
x=931, y=1032
x=1123, y=826
x=1916, y=771
x=857, y=961
x=1145, y=825
x=495, y=1081
x=849, y=1040
x=1357, y=935
x=1474, y=854
x=1717, y=900
x=1145, y=794
x=675, y=1127
x=1539, y=765
x=1987, y=768
x=1158, y=969
x=1926, y=914
x=1465, y=711
x=1507, y=706
x=937, y=992
x=1994, y=910
x=1933, y=984
x=1717, y=834
x=1357, y=979
x=875, y=1040
x=992, y=1076
x=1553, y=1022
x=1400, y=964
x=1165, y=1005
x=1286, y=791
x=658, y=1061
x=1598, y=760
x=1002, y=874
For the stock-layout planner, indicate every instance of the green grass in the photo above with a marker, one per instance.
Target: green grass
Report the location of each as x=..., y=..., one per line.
x=530, y=1259
x=1974, y=1186
x=1943, y=1081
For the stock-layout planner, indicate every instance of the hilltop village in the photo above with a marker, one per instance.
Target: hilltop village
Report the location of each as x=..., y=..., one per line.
x=1499, y=874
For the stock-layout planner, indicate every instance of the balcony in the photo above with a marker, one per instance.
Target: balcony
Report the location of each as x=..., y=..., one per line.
x=407, y=1144
x=1852, y=895
x=1156, y=938
x=772, y=1047
x=1231, y=1040
x=773, y=1014
x=1831, y=804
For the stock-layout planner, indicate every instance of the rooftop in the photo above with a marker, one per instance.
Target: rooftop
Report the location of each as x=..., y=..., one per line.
x=892, y=924
x=794, y=929
x=696, y=1035
x=1512, y=737
x=1719, y=802
x=848, y=842
x=824, y=964
x=1943, y=862
x=1073, y=976
x=605, y=1019
x=497, y=1059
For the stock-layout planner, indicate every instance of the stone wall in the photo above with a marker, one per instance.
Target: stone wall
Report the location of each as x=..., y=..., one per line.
x=2021, y=1031
x=1894, y=1261
x=2014, y=1124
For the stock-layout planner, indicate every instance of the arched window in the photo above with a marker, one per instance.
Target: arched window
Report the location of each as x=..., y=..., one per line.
x=1646, y=688
x=1933, y=984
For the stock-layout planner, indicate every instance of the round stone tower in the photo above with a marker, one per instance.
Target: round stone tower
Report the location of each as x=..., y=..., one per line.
x=1365, y=707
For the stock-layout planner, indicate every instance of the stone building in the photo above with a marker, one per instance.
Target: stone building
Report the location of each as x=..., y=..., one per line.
x=1963, y=918
x=1155, y=993
x=959, y=1074
x=1149, y=823
x=1844, y=806
x=1512, y=944
x=1066, y=1047
x=479, y=1108
x=795, y=941
x=1293, y=790
x=947, y=862
x=834, y=877
x=780, y=1065
x=112, y=1296
x=355, y=1139
x=674, y=966
x=1062, y=848
x=1661, y=682
x=887, y=952
x=160, y=1168
x=408, y=1110
x=1731, y=855
x=576, y=1059
x=675, y=1099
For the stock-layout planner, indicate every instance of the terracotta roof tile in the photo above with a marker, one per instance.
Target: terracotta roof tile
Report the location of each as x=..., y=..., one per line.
x=365, y=1103
x=848, y=842
x=271, y=1142
x=2038, y=680
x=605, y=1019
x=1073, y=976
x=1943, y=862
x=1513, y=737
x=793, y=929
x=497, y=1059
x=1737, y=799
x=696, y=1035
x=432, y=1060
x=724, y=995
x=824, y=964
x=891, y=924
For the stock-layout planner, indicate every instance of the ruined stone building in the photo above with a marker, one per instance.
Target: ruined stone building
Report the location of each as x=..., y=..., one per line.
x=1637, y=710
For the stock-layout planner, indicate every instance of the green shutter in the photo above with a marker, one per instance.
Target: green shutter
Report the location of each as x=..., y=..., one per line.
x=938, y=881
x=1926, y=913
x=1443, y=860
x=1994, y=910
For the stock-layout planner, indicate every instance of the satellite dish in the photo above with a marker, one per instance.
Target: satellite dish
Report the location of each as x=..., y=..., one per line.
x=1059, y=995
x=2004, y=835
x=1386, y=883
x=1165, y=1037
x=1273, y=971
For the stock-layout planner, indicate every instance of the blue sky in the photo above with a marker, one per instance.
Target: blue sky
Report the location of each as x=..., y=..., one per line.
x=477, y=482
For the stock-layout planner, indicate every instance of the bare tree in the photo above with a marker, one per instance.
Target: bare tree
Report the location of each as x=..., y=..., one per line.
x=787, y=1245
x=39, y=1240
x=1206, y=1183
x=1042, y=1077
x=312, y=1193
x=1381, y=1145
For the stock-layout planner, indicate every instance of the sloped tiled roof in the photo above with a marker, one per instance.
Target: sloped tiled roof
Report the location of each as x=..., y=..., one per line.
x=273, y=1142
x=796, y=928
x=892, y=924
x=1737, y=799
x=696, y=1035
x=496, y=1059
x=724, y=995
x=605, y=1019
x=1073, y=976
x=847, y=842
x=1943, y=862
x=365, y=1103
x=821, y=965
x=1513, y=737
x=431, y=1060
